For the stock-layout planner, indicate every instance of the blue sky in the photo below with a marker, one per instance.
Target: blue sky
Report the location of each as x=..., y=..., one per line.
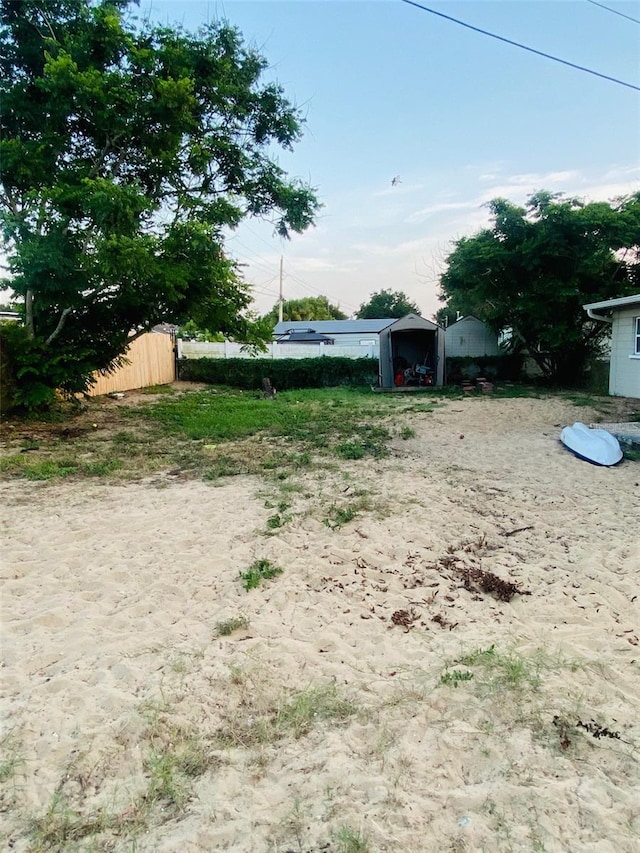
x=388, y=89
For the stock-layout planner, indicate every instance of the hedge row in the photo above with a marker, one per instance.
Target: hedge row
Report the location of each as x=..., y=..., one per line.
x=284, y=373
x=493, y=367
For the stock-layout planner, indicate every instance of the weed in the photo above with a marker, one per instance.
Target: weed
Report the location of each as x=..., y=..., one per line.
x=338, y=516
x=455, y=677
x=497, y=670
x=10, y=758
x=166, y=783
x=61, y=824
x=348, y=840
x=407, y=433
x=228, y=626
x=257, y=572
x=293, y=715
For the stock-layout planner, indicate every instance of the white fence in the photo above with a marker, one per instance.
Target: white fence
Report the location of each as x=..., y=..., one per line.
x=197, y=349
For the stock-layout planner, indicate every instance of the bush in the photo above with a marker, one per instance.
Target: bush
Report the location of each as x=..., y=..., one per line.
x=506, y=367
x=285, y=373
x=37, y=374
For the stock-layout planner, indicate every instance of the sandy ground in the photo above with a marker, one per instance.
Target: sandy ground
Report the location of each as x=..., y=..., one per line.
x=467, y=723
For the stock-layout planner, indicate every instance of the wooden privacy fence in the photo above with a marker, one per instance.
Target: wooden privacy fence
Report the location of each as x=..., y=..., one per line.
x=151, y=362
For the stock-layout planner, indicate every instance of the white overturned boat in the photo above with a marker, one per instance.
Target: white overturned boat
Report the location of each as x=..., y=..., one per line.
x=594, y=445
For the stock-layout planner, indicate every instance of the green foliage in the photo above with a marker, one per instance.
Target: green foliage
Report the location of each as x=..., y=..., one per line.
x=228, y=626
x=257, y=572
x=534, y=269
x=284, y=373
x=307, y=308
x=190, y=331
x=128, y=150
x=455, y=676
x=387, y=303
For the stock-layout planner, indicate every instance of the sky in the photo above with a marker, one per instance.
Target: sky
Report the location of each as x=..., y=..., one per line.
x=387, y=89
x=390, y=90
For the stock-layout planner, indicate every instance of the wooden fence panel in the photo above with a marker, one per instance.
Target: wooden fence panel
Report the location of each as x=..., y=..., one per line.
x=151, y=362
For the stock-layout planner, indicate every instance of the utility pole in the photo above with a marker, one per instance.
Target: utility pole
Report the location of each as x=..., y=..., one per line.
x=281, y=298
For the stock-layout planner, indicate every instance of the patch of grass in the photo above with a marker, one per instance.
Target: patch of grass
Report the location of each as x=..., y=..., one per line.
x=61, y=825
x=225, y=466
x=227, y=626
x=339, y=516
x=495, y=670
x=257, y=572
x=348, y=840
x=10, y=760
x=407, y=432
x=257, y=723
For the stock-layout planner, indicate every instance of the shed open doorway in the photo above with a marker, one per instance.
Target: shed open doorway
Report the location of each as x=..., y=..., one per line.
x=411, y=353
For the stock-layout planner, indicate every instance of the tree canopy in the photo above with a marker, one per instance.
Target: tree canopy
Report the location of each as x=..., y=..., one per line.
x=127, y=150
x=534, y=269
x=386, y=303
x=307, y=308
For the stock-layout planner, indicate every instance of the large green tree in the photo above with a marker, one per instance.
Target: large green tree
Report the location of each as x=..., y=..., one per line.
x=307, y=308
x=386, y=303
x=127, y=151
x=531, y=272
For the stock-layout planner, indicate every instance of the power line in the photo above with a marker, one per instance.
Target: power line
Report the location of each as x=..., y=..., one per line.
x=615, y=11
x=522, y=46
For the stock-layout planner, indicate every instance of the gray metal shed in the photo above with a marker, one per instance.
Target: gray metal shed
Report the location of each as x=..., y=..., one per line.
x=411, y=341
x=404, y=343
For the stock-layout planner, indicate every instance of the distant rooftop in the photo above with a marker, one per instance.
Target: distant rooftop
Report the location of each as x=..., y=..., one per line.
x=335, y=327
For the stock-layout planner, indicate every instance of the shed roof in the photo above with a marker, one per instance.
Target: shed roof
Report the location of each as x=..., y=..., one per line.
x=621, y=302
x=467, y=317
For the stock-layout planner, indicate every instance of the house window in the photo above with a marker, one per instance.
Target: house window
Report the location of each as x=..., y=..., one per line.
x=636, y=336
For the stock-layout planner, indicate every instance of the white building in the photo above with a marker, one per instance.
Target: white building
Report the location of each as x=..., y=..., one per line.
x=624, y=316
x=469, y=336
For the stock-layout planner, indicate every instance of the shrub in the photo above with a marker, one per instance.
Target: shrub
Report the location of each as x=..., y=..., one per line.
x=285, y=373
x=490, y=366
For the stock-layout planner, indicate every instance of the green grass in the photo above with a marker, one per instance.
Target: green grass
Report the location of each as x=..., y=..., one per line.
x=220, y=433
x=31, y=468
x=348, y=840
x=227, y=626
x=312, y=417
x=259, y=722
x=339, y=516
x=257, y=572
x=494, y=671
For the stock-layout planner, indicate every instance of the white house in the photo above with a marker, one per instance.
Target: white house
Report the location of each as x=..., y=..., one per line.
x=624, y=316
x=469, y=336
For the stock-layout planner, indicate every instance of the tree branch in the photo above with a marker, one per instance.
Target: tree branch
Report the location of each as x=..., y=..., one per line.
x=58, y=328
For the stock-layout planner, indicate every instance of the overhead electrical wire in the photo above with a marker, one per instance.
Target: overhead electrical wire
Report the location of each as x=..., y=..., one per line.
x=614, y=11
x=522, y=46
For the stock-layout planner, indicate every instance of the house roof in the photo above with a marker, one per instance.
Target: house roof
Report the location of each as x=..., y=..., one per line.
x=334, y=327
x=304, y=336
x=353, y=327
x=622, y=302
